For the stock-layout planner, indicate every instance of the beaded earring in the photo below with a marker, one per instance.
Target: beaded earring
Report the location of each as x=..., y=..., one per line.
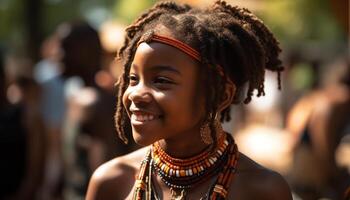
x=218, y=127
x=206, y=132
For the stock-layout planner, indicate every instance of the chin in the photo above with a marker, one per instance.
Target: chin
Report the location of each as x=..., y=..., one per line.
x=143, y=140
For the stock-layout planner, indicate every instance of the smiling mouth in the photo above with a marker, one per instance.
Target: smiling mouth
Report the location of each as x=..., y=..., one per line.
x=143, y=117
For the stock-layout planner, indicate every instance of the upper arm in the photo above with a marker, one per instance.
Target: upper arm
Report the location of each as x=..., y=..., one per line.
x=298, y=115
x=110, y=182
x=99, y=186
x=95, y=186
x=276, y=188
x=320, y=127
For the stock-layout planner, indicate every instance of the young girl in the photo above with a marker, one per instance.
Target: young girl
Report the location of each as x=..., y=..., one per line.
x=183, y=68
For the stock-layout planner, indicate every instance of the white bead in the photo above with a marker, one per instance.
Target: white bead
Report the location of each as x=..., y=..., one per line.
x=211, y=161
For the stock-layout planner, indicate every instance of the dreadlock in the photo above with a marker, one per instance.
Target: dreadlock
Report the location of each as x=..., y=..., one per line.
x=225, y=36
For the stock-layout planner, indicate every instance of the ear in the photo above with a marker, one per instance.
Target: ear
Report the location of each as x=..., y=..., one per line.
x=229, y=93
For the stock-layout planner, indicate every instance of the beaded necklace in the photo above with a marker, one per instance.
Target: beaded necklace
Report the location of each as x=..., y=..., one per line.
x=185, y=173
x=182, y=174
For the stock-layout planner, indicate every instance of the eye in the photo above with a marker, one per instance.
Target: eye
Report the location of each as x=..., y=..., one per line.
x=133, y=80
x=162, y=80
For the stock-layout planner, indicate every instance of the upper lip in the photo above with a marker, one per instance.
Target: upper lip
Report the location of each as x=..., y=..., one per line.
x=141, y=111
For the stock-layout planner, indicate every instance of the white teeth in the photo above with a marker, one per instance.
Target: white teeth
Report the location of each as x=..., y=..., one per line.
x=142, y=118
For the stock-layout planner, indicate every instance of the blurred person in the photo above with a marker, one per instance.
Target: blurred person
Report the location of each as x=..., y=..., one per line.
x=106, y=77
x=183, y=67
x=89, y=137
x=317, y=123
x=48, y=73
x=102, y=115
x=22, y=138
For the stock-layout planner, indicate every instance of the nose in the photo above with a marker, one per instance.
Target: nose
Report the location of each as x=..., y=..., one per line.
x=140, y=94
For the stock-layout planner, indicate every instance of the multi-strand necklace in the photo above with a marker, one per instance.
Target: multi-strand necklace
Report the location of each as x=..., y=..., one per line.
x=183, y=174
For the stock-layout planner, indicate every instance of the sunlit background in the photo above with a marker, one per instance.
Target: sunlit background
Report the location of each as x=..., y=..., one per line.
x=303, y=131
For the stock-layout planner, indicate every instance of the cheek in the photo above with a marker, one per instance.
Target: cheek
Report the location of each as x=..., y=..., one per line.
x=182, y=107
x=125, y=99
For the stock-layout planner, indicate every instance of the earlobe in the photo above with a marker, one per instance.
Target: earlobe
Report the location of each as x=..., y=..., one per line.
x=229, y=93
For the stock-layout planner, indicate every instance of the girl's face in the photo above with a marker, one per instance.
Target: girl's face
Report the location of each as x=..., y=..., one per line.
x=163, y=99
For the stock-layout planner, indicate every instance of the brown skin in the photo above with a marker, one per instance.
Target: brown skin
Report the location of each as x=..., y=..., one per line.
x=115, y=180
x=171, y=95
x=323, y=113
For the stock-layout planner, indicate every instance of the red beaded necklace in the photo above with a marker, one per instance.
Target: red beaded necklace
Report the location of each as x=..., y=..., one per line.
x=186, y=173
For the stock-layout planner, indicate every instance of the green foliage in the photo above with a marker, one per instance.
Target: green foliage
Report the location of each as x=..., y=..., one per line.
x=295, y=22
x=128, y=10
x=301, y=77
x=58, y=13
x=11, y=24
x=13, y=31
x=299, y=21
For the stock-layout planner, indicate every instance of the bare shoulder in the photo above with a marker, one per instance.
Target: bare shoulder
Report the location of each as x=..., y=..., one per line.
x=115, y=178
x=254, y=181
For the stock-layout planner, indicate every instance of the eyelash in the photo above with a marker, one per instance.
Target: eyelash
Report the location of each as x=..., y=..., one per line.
x=157, y=80
x=132, y=77
x=163, y=80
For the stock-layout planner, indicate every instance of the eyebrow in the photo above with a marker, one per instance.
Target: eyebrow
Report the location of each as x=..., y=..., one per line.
x=162, y=68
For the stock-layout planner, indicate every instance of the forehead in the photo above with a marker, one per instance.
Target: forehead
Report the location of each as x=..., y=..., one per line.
x=153, y=54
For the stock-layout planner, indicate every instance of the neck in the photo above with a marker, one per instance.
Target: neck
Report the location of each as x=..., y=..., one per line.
x=185, y=146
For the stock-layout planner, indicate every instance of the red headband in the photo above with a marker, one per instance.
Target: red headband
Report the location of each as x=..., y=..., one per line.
x=177, y=44
x=182, y=47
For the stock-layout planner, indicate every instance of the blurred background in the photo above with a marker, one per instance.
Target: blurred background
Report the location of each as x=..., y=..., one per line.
x=57, y=95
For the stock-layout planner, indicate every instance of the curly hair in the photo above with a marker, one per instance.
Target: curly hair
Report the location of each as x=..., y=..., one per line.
x=224, y=35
